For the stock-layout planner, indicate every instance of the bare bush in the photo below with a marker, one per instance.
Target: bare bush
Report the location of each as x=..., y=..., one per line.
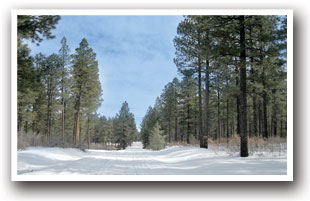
x=256, y=145
x=103, y=146
x=27, y=140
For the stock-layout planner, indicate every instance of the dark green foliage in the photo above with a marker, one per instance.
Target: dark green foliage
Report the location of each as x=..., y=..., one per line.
x=35, y=27
x=125, y=127
x=147, y=124
x=28, y=78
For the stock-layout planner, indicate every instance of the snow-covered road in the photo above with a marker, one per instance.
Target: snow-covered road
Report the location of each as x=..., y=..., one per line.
x=136, y=161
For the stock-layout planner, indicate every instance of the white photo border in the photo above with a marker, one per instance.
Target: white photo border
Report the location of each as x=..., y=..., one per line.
x=14, y=162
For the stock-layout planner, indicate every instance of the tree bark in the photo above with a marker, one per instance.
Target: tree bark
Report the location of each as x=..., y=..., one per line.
x=227, y=119
x=188, y=123
x=176, y=128
x=238, y=102
x=265, y=121
x=88, y=136
x=63, y=111
x=200, y=105
x=169, y=129
x=77, y=120
x=243, y=103
x=207, y=84
x=218, y=111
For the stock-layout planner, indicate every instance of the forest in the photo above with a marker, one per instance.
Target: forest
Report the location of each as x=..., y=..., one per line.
x=232, y=85
x=233, y=82
x=58, y=94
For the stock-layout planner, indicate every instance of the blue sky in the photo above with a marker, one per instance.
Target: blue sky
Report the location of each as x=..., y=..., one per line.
x=135, y=56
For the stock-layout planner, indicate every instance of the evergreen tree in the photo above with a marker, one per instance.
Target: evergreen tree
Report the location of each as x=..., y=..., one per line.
x=65, y=61
x=189, y=57
x=49, y=68
x=157, y=141
x=33, y=28
x=148, y=122
x=125, y=127
x=86, y=85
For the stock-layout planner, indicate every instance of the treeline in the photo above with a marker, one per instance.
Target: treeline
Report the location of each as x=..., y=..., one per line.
x=119, y=131
x=233, y=82
x=58, y=94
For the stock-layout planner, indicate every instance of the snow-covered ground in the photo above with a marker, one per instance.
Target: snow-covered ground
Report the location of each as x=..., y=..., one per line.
x=136, y=161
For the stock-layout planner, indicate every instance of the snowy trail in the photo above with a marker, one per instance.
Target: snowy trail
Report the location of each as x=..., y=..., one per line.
x=135, y=160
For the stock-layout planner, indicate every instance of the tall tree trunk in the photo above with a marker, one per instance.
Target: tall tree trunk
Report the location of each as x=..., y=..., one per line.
x=207, y=84
x=73, y=133
x=281, y=125
x=200, y=95
x=48, y=116
x=265, y=121
x=88, y=132
x=253, y=90
x=62, y=110
x=218, y=111
x=19, y=120
x=274, y=114
x=227, y=118
x=169, y=129
x=195, y=129
x=238, y=101
x=26, y=127
x=260, y=117
x=254, y=101
x=88, y=139
x=80, y=132
x=200, y=105
x=77, y=121
x=176, y=128
x=188, y=123
x=243, y=103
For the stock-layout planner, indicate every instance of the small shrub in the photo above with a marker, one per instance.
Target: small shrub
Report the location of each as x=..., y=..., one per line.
x=157, y=141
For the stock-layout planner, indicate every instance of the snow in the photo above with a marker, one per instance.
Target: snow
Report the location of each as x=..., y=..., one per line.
x=176, y=160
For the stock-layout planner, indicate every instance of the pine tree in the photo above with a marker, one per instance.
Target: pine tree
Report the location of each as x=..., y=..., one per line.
x=148, y=122
x=27, y=84
x=86, y=85
x=157, y=141
x=65, y=61
x=33, y=28
x=188, y=104
x=49, y=68
x=125, y=126
x=189, y=57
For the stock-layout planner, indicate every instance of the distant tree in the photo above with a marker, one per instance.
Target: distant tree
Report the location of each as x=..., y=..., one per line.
x=148, y=122
x=125, y=127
